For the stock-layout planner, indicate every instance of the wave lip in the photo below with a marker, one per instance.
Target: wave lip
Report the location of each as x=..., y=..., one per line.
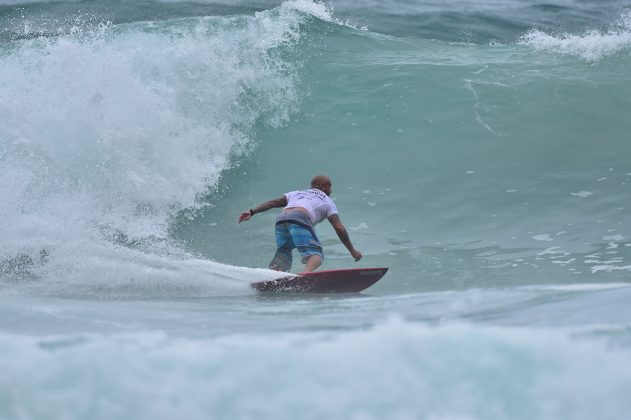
x=591, y=46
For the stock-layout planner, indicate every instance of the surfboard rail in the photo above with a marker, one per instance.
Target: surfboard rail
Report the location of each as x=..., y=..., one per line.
x=351, y=280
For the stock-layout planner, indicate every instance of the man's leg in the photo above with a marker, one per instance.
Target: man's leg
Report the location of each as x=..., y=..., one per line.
x=281, y=260
x=308, y=246
x=284, y=245
x=313, y=262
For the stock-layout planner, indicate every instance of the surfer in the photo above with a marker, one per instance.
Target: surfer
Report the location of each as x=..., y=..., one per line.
x=294, y=224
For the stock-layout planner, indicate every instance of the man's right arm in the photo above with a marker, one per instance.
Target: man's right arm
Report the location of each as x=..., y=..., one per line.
x=247, y=215
x=342, y=233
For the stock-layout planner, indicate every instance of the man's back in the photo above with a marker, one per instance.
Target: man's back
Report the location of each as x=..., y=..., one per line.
x=316, y=202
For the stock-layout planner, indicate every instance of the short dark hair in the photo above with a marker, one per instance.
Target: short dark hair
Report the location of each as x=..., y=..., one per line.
x=320, y=180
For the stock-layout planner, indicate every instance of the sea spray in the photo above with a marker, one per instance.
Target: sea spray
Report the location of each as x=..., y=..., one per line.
x=106, y=134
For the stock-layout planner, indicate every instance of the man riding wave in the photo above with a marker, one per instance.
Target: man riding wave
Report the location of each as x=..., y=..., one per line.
x=302, y=210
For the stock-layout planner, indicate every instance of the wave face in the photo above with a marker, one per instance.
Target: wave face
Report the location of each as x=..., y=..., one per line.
x=108, y=133
x=128, y=147
x=453, y=162
x=479, y=149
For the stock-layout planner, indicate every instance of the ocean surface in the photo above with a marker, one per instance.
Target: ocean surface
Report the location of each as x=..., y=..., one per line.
x=480, y=149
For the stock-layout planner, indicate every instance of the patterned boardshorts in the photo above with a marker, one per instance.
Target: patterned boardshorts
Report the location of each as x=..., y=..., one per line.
x=294, y=230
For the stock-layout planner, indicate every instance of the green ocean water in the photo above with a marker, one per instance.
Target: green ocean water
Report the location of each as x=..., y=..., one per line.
x=492, y=163
x=478, y=149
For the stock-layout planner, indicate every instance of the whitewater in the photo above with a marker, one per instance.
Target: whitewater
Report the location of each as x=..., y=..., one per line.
x=479, y=149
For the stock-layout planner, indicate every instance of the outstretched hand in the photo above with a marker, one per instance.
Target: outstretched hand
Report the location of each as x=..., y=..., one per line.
x=356, y=254
x=245, y=216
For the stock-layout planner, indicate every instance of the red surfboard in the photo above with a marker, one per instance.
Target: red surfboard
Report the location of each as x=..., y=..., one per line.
x=333, y=281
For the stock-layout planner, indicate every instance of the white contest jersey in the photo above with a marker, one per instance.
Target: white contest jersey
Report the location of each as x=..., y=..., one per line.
x=319, y=205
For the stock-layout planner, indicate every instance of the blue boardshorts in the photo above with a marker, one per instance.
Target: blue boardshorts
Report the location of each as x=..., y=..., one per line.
x=294, y=230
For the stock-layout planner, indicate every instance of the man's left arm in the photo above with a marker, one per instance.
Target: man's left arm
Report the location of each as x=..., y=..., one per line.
x=342, y=233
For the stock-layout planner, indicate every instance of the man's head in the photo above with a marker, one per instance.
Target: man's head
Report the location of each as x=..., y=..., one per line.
x=323, y=183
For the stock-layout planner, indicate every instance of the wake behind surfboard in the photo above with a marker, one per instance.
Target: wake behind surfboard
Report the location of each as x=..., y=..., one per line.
x=332, y=281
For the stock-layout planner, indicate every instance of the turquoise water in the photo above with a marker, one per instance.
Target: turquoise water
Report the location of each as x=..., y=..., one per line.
x=478, y=149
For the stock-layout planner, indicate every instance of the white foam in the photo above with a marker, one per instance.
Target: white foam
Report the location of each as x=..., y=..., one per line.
x=105, y=135
x=586, y=287
x=608, y=268
x=545, y=237
x=591, y=46
x=582, y=194
x=616, y=238
x=313, y=8
x=397, y=370
x=25, y=2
